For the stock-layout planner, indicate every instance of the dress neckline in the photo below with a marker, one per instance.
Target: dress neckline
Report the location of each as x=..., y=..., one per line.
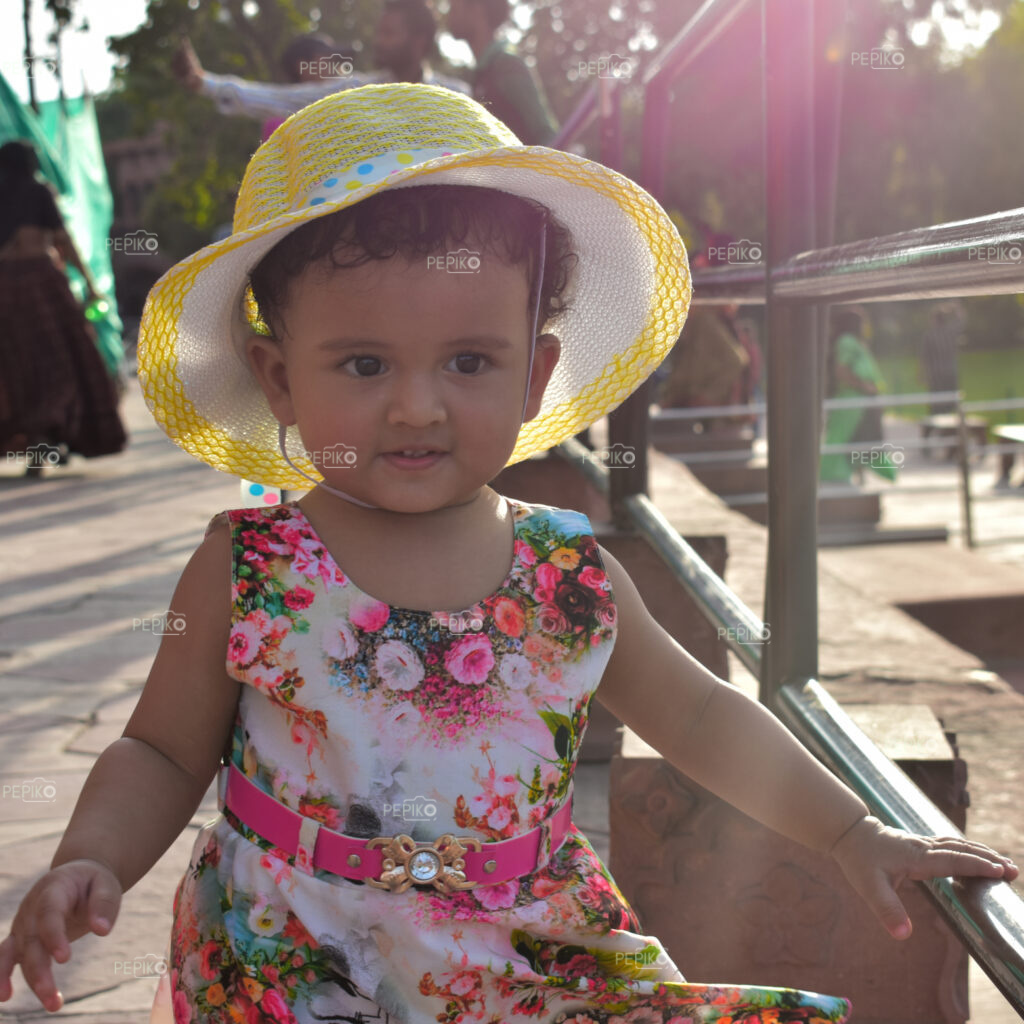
x=506, y=583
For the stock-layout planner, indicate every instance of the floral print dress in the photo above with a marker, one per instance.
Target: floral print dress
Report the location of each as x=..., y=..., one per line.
x=377, y=720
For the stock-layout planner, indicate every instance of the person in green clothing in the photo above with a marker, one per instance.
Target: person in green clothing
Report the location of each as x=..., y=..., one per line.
x=853, y=372
x=502, y=81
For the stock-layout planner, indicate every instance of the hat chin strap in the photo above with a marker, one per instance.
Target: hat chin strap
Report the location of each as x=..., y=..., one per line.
x=283, y=430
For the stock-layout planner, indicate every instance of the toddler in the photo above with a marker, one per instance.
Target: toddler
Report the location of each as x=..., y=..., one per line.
x=396, y=669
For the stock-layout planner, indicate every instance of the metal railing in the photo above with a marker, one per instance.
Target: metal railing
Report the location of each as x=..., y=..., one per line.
x=944, y=261
x=963, y=444
x=803, y=272
x=988, y=916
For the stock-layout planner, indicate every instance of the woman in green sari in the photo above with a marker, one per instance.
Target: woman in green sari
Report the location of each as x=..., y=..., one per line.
x=853, y=372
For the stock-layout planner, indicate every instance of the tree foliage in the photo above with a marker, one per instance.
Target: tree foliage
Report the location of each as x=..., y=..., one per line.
x=931, y=142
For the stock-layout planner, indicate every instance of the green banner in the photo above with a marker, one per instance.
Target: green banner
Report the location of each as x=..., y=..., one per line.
x=67, y=141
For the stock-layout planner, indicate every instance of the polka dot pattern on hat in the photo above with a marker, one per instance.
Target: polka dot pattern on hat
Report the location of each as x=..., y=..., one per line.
x=364, y=172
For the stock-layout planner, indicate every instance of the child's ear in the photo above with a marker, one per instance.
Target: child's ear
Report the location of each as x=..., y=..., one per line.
x=266, y=358
x=546, y=354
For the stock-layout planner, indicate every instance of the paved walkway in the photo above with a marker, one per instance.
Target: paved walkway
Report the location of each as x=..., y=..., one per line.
x=92, y=548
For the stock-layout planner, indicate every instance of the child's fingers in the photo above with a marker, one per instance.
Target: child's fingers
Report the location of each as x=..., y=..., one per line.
x=969, y=846
x=8, y=958
x=54, y=908
x=35, y=966
x=104, y=903
x=888, y=907
x=942, y=862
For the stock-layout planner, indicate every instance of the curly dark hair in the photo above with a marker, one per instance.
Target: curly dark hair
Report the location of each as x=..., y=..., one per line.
x=420, y=221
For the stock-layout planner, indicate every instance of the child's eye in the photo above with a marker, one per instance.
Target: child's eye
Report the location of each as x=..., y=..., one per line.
x=359, y=364
x=468, y=364
x=476, y=361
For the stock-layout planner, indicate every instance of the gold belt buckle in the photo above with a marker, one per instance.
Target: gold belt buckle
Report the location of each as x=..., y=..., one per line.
x=406, y=862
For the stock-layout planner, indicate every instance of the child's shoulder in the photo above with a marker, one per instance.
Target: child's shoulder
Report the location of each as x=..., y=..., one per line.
x=235, y=518
x=568, y=520
x=553, y=527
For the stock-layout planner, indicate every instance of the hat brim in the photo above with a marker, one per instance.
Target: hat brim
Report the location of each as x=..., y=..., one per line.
x=629, y=297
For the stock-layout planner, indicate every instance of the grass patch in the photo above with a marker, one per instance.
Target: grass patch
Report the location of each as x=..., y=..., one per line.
x=984, y=376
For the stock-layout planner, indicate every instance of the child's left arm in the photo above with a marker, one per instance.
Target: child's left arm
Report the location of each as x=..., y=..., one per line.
x=735, y=747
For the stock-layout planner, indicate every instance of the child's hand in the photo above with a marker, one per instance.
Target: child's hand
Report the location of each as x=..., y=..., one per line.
x=65, y=904
x=877, y=859
x=185, y=65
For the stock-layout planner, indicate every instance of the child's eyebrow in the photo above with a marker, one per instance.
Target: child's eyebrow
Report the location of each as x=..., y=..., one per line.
x=491, y=341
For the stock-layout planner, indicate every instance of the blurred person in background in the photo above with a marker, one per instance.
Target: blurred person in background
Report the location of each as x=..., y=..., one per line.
x=502, y=81
x=300, y=63
x=405, y=40
x=56, y=396
x=852, y=372
x=710, y=364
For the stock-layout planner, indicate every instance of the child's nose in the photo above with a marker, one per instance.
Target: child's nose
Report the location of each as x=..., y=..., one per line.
x=415, y=400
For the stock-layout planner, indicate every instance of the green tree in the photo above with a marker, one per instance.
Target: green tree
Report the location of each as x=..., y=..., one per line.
x=211, y=150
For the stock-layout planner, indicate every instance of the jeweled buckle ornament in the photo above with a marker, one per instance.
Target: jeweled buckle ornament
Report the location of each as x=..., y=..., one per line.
x=406, y=862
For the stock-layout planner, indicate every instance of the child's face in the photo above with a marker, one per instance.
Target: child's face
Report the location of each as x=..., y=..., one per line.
x=396, y=356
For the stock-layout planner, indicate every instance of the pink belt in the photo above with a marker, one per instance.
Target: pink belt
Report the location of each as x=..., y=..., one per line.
x=449, y=863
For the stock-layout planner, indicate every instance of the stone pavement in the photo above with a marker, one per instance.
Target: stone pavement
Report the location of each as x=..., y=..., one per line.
x=93, y=549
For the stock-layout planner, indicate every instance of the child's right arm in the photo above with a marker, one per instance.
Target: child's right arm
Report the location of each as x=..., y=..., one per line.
x=145, y=787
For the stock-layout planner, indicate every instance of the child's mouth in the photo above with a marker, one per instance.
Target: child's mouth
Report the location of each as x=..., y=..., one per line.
x=413, y=458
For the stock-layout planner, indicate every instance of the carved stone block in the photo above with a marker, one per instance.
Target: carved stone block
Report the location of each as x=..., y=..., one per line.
x=735, y=903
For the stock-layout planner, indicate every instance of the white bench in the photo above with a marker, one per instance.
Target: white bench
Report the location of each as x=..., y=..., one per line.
x=1015, y=434
x=947, y=424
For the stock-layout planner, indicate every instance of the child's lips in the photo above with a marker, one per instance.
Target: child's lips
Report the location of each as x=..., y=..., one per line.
x=414, y=461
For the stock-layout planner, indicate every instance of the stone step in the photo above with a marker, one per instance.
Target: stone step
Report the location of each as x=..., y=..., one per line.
x=862, y=510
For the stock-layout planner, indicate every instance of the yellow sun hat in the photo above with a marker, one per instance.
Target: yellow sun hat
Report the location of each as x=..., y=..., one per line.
x=629, y=292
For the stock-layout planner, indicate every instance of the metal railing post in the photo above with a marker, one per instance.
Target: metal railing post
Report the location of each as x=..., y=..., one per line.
x=964, y=459
x=791, y=599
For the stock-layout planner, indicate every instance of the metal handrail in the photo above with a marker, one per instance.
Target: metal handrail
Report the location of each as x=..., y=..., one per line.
x=718, y=603
x=925, y=263
x=951, y=260
x=703, y=411
x=885, y=400
x=964, y=443
x=988, y=916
